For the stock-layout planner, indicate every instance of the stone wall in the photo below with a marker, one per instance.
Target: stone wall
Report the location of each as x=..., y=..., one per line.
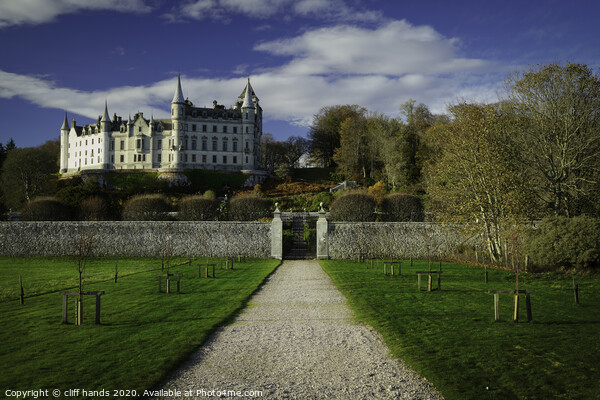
x=138, y=239
x=386, y=239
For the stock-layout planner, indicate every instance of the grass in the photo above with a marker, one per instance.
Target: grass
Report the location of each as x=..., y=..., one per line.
x=209, y=179
x=134, y=180
x=451, y=338
x=143, y=336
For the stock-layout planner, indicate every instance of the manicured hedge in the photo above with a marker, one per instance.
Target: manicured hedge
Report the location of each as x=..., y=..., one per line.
x=402, y=208
x=147, y=207
x=354, y=206
x=198, y=208
x=249, y=207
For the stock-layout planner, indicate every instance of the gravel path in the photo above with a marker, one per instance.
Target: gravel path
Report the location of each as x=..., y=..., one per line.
x=298, y=340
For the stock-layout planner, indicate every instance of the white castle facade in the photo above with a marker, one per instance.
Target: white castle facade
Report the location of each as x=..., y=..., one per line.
x=203, y=138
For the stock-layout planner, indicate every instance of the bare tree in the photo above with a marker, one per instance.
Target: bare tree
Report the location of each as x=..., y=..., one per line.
x=84, y=244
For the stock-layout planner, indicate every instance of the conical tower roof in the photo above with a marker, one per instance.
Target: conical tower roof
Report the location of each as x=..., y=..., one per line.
x=248, y=97
x=105, y=117
x=178, y=97
x=65, y=125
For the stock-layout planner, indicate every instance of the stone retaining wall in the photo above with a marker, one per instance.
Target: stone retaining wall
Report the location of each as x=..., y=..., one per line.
x=387, y=239
x=138, y=239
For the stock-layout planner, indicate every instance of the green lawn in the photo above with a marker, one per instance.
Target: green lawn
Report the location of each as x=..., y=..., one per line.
x=143, y=336
x=451, y=338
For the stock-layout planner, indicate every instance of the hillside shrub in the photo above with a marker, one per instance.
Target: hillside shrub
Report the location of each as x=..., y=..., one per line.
x=198, y=208
x=93, y=208
x=353, y=206
x=402, y=208
x=146, y=207
x=561, y=242
x=46, y=209
x=249, y=207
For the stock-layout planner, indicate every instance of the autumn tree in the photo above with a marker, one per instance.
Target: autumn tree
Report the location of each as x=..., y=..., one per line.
x=558, y=135
x=324, y=133
x=473, y=178
x=355, y=154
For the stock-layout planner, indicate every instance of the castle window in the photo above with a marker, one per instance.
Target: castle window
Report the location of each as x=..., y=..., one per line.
x=246, y=159
x=204, y=146
x=139, y=128
x=214, y=159
x=98, y=159
x=122, y=158
x=144, y=157
x=112, y=145
x=92, y=141
x=194, y=144
x=224, y=159
x=138, y=144
x=194, y=127
x=112, y=159
x=224, y=144
x=234, y=159
x=214, y=145
x=235, y=145
x=235, y=129
x=225, y=129
x=246, y=115
x=92, y=153
x=204, y=158
x=185, y=157
x=203, y=128
x=193, y=158
x=122, y=145
x=86, y=142
x=247, y=146
x=214, y=128
x=159, y=158
x=134, y=157
x=159, y=144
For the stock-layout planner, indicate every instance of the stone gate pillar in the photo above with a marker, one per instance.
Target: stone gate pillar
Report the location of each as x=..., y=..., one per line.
x=277, y=234
x=322, y=236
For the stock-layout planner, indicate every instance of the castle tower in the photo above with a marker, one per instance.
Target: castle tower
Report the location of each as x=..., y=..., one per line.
x=248, y=127
x=177, y=115
x=105, y=129
x=64, y=145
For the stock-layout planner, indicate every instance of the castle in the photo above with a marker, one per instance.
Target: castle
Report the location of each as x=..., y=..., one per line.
x=194, y=137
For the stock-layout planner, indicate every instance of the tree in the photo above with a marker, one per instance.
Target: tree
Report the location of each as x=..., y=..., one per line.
x=472, y=179
x=352, y=157
x=559, y=110
x=27, y=173
x=324, y=133
x=418, y=120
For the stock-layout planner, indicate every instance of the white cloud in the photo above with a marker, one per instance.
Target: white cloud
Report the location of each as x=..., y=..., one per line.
x=19, y=12
x=220, y=9
x=395, y=49
x=377, y=68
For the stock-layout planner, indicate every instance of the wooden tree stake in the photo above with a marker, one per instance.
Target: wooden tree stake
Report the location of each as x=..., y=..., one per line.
x=576, y=291
x=21, y=293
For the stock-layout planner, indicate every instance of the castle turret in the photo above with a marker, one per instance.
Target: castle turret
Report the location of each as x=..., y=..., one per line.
x=248, y=127
x=64, y=145
x=105, y=129
x=177, y=114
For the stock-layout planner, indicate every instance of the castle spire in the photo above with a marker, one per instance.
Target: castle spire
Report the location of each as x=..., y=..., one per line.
x=105, y=117
x=65, y=125
x=178, y=97
x=248, y=97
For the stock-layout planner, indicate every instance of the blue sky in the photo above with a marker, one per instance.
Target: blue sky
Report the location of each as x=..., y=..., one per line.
x=71, y=55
